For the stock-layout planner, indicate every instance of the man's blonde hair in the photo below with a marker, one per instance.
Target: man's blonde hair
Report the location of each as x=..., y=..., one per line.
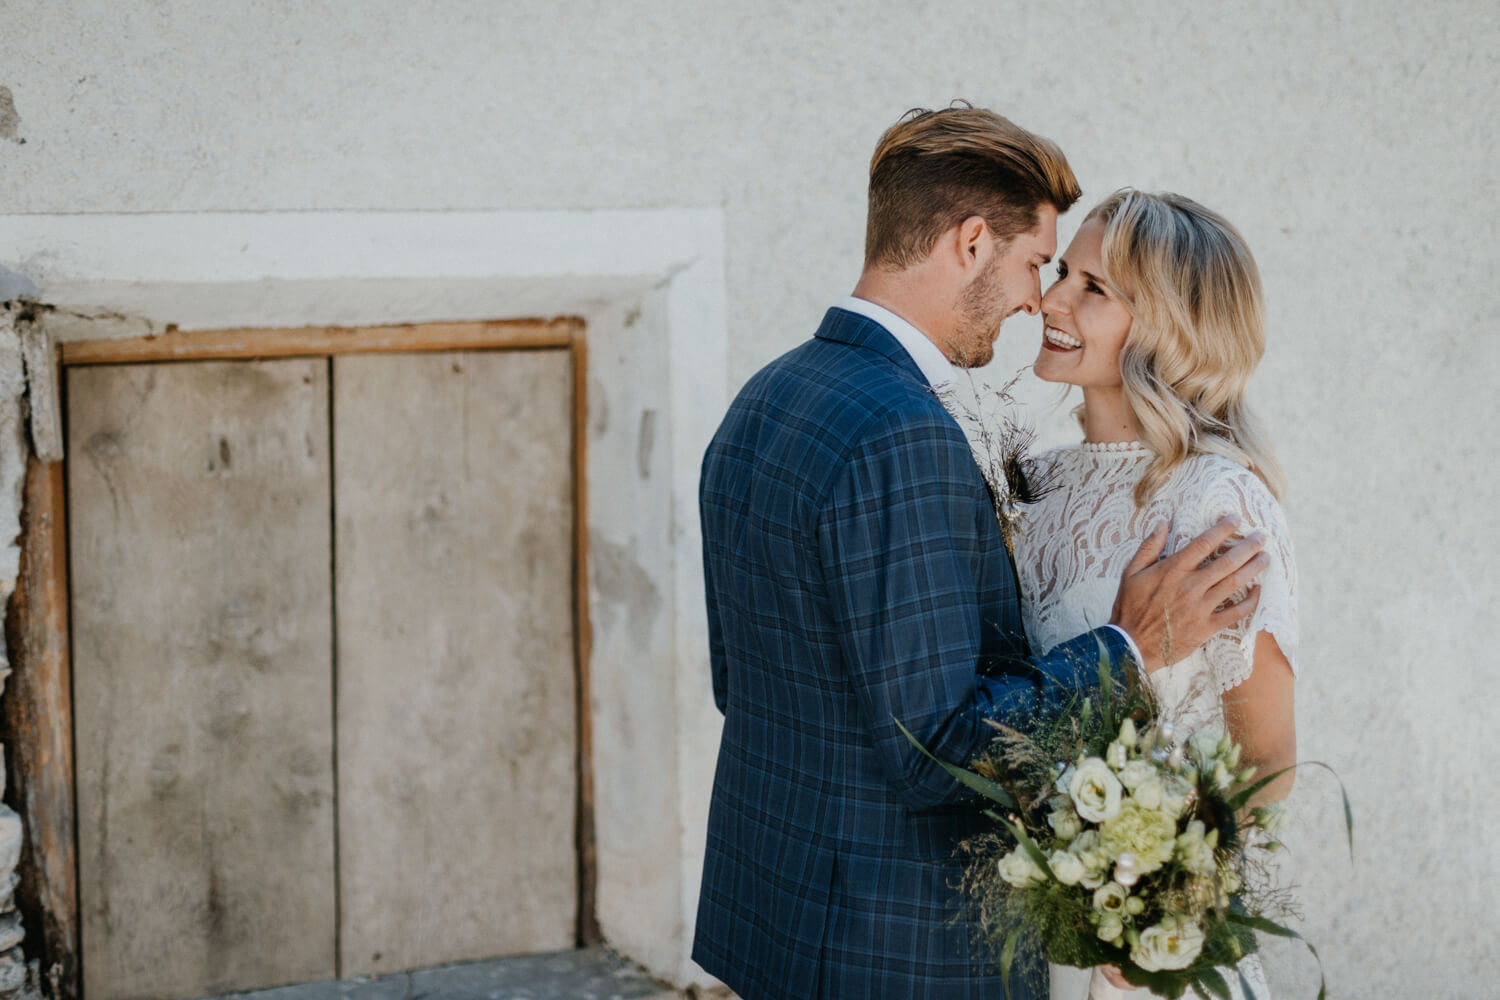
x=934, y=169
x=1197, y=332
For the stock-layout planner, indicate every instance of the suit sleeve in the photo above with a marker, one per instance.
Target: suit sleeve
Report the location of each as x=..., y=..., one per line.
x=898, y=538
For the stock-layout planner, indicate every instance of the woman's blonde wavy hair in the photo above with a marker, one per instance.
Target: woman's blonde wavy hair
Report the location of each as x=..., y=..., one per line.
x=1197, y=332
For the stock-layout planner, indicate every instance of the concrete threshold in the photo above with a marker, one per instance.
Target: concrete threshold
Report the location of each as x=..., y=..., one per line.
x=583, y=974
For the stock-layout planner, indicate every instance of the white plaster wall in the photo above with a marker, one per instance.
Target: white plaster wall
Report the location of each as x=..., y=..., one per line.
x=1354, y=142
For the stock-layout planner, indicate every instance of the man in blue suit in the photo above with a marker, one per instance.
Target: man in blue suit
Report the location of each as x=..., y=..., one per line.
x=856, y=576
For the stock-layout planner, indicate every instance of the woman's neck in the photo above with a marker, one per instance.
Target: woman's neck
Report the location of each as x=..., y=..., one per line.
x=1107, y=416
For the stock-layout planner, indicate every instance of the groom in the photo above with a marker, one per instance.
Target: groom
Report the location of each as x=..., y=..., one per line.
x=856, y=577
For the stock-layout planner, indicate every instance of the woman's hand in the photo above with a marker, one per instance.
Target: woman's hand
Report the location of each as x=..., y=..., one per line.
x=1115, y=979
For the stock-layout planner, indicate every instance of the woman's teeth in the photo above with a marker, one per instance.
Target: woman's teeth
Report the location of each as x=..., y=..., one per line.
x=1059, y=339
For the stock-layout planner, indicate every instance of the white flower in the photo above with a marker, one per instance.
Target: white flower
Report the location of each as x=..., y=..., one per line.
x=1127, y=733
x=1176, y=793
x=1067, y=866
x=1137, y=771
x=1095, y=859
x=1194, y=850
x=1117, y=755
x=1146, y=834
x=1066, y=823
x=1168, y=945
x=1222, y=779
x=1064, y=779
x=1095, y=790
x=1204, y=745
x=1111, y=928
x=1271, y=818
x=1019, y=870
x=1110, y=898
x=1149, y=794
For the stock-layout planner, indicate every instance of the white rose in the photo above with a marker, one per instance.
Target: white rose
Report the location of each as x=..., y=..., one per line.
x=1067, y=866
x=1135, y=772
x=1019, y=870
x=1149, y=794
x=1168, y=945
x=1095, y=790
x=1110, y=898
x=1111, y=928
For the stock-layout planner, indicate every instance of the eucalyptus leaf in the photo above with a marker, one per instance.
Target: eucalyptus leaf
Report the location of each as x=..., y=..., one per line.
x=1209, y=979
x=974, y=782
x=1029, y=846
x=1008, y=958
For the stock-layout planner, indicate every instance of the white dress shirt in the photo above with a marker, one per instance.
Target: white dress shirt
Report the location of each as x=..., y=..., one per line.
x=937, y=369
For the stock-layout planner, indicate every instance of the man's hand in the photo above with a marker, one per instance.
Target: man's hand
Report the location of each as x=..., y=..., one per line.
x=1171, y=606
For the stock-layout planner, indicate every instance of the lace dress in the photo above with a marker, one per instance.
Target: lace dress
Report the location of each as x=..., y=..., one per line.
x=1072, y=547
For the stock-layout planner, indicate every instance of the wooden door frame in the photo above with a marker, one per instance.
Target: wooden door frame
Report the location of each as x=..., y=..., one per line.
x=37, y=705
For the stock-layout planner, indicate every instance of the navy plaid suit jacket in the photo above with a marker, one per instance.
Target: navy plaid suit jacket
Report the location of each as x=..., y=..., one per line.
x=856, y=575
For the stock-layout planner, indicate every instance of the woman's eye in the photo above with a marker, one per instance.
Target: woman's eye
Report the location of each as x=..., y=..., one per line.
x=1093, y=287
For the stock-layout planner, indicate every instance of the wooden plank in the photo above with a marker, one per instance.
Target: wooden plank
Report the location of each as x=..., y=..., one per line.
x=456, y=688
x=199, y=539
x=201, y=345
x=38, y=719
x=589, y=932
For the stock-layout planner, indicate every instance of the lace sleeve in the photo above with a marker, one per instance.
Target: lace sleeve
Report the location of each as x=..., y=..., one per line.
x=1234, y=490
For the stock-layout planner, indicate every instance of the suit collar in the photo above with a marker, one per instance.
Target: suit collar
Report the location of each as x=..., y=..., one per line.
x=844, y=327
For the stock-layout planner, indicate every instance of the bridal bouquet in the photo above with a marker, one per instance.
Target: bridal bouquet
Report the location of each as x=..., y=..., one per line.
x=1122, y=842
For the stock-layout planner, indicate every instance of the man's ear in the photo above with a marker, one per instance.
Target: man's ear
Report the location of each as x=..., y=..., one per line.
x=973, y=244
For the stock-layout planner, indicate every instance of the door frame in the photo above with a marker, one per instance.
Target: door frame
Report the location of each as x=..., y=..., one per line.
x=38, y=706
x=651, y=285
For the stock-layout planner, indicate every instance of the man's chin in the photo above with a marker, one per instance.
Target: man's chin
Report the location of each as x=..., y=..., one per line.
x=975, y=359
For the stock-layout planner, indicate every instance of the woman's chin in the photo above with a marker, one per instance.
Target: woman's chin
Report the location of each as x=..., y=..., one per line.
x=1042, y=369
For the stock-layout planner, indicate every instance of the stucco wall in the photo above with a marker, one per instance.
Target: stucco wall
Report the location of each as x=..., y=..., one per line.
x=1354, y=143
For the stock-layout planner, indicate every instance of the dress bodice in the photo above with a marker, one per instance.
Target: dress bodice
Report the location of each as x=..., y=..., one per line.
x=1072, y=547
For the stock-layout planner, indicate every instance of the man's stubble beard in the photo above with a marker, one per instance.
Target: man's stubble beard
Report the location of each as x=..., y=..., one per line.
x=980, y=311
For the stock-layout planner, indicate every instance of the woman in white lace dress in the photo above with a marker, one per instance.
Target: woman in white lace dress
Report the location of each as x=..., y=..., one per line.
x=1156, y=314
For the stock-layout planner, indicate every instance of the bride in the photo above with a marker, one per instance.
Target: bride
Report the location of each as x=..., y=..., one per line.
x=1157, y=315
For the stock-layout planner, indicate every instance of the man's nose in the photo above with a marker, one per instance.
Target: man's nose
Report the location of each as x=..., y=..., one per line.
x=1033, y=303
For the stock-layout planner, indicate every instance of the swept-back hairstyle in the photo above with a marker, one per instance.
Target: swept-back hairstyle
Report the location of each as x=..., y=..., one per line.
x=1196, y=335
x=934, y=169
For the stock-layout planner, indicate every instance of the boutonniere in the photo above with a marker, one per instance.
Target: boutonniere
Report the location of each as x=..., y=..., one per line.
x=1001, y=440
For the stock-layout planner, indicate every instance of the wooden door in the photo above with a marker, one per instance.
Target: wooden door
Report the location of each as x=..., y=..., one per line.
x=202, y=656
x=457, y=702
x=326, y=700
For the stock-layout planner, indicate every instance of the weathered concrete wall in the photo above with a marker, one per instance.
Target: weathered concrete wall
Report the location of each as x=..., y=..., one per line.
x=1353, y=142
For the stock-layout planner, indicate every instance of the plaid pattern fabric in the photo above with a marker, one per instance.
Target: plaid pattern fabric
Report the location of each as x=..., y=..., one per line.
x=856, y=576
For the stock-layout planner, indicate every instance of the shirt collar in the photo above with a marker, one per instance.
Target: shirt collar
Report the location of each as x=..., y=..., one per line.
x=936, y=369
